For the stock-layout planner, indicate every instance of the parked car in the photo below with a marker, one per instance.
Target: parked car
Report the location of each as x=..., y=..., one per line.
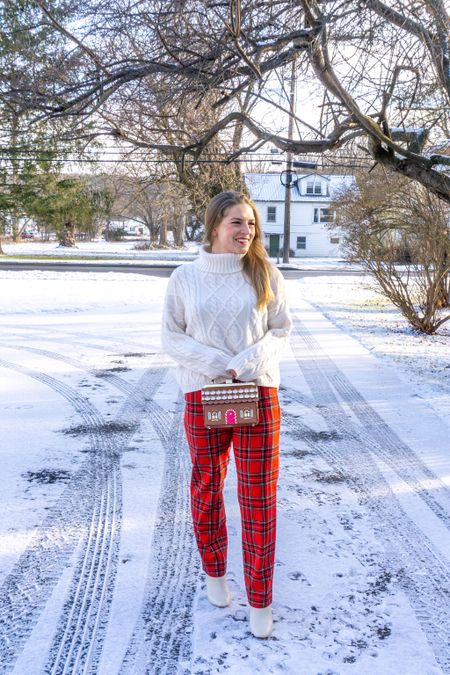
x=27, y=235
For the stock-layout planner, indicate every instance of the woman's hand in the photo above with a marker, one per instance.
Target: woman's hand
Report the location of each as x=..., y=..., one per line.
x=232, y=374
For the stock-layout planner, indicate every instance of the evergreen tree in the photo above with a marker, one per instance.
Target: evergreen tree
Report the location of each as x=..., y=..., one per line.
x=29, y=149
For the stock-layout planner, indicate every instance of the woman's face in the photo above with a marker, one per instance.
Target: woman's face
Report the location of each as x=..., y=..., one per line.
x=236, y=230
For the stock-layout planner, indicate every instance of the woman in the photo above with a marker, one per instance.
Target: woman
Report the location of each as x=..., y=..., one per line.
x=225, y=316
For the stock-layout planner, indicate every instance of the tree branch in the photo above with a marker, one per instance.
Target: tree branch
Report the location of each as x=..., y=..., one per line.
x=419, y=30
x=69, y=35
x=437, y=183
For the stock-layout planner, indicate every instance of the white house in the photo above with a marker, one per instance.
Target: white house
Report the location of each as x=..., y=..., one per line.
x=132, y=227
x=310, y=212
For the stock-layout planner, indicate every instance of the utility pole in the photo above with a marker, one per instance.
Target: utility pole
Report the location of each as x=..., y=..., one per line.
x=288, y=186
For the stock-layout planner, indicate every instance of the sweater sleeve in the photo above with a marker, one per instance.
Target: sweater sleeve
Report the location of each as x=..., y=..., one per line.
x=184, y=349
x=253, y=361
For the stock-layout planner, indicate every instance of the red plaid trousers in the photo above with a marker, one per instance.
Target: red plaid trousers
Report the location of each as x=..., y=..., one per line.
x=257, y=463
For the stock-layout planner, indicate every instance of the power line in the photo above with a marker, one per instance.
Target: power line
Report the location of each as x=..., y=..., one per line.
x=271, y=156
x=267, y=156
x=331, y=163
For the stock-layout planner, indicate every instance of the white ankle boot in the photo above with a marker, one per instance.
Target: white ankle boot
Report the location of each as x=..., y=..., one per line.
x=261, y=622
x=217, y=591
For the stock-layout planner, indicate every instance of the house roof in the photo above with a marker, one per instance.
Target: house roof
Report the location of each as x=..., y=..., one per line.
x=266, y=187
x=315, y=175
x=441, y=148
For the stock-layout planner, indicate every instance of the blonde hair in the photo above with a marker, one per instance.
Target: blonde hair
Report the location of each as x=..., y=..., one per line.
x=256, y=264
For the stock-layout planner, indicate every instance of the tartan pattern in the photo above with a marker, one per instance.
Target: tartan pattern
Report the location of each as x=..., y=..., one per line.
x=257, y=464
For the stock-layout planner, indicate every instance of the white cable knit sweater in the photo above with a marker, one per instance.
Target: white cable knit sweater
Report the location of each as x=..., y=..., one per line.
x=211, y=324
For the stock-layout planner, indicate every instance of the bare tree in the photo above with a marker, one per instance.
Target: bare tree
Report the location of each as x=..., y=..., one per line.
x=400, y=233
x=158, y=203
x=379, y=71
x=132, y=195
x=152, y=118
x=169, y=207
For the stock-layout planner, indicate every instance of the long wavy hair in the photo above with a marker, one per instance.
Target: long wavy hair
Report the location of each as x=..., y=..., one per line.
x=256, y=264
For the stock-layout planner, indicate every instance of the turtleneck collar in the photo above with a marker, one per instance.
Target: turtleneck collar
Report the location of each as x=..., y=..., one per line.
x=219, y=263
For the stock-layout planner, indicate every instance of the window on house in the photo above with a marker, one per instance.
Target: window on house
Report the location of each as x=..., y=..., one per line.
x=323, y=215
x=334, y=240
x=301, y=242
x=314, y=187
x=271, y=214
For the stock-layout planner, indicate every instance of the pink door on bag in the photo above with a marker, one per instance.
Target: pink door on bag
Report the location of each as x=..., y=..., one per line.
x=230, y=417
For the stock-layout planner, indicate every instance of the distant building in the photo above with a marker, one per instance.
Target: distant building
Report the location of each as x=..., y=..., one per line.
x=129, y=225
x=310, y=212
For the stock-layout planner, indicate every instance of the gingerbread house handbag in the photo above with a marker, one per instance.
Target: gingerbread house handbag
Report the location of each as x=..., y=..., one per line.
x=230, y=404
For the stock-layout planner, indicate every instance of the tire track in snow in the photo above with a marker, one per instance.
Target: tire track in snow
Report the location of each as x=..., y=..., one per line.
x=171, y=640
x=425, y=576
x=32, y=578
x=82, y=627
x=37, y=571
x=379, y=437
x=104, y=373
x=161, y=641
x=42, y=335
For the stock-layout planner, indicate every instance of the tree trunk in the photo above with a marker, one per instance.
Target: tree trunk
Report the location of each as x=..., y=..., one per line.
x=163, y=233
x=14, y=173
x=178, y=231
x=68, y=235
x=443, y=296
x=15, y=228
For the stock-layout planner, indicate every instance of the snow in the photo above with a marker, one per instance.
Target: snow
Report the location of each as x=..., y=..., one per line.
x=99, y=249
x=423, y=361
x=90, y=417
x=267, y=187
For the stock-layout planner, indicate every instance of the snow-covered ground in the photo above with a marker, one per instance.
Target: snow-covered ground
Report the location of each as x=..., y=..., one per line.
x=125, y=251
x=423, y=361
x=119, y=250
x=98, y=568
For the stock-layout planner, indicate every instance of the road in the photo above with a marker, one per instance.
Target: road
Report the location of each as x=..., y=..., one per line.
x=148, y=268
